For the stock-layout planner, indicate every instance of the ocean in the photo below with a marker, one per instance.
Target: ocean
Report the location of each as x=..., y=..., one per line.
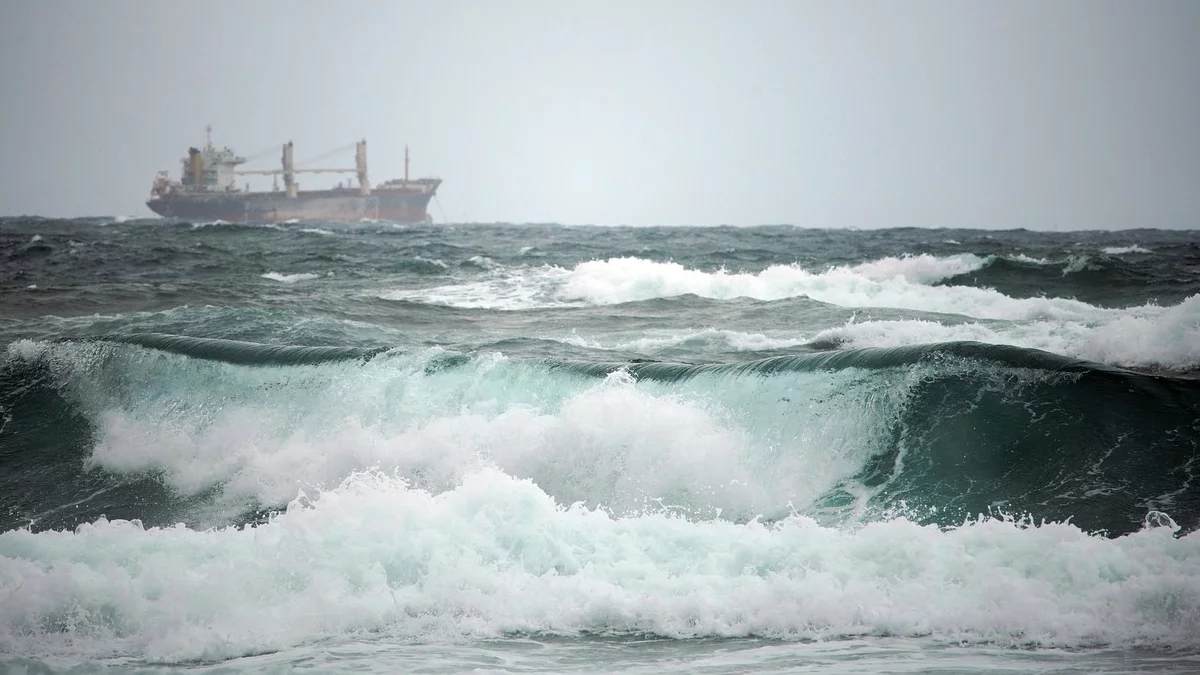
x=540, y=448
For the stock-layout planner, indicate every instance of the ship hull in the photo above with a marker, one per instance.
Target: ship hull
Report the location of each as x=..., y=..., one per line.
x=337, y=206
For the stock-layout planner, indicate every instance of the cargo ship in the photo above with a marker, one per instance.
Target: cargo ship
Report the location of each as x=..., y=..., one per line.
x=207, y=190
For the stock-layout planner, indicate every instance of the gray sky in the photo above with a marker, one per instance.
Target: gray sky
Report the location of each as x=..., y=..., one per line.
x=1063, y=114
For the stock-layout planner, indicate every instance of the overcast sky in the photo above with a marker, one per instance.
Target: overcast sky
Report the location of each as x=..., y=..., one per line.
x=931, y=113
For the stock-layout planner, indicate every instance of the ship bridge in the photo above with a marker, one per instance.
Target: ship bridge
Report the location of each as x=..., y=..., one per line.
x=210, y=168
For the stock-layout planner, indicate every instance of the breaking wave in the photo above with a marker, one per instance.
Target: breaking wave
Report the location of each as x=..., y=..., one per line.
x=1169, y=341
x=199, y=500
x=290, y=278
x=901, y=283
x=496, y=556
x=1123, y=250
x=842, y=436
x=1145, y=336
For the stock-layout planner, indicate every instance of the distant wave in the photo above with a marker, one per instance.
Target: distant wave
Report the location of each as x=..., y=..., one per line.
x=1122, y=250
x=924, y=283
x=291, y=278
x=655, y=342
x=236, y=351
x=888, y=282
x=1145, y=335
x=1167, y=340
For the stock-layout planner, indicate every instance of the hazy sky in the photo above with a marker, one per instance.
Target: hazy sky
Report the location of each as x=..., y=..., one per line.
x=1037, y=114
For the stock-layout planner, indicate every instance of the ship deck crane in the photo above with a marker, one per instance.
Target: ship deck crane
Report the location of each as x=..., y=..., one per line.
x=289, y=170
x=269, y=172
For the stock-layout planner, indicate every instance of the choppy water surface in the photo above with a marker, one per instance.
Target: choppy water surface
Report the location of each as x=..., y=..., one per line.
x=568, y=449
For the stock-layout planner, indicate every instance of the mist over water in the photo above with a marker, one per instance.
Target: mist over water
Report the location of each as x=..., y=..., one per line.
x=522, y=447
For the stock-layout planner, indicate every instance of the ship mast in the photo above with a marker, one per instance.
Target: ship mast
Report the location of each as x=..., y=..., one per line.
x=360, y=164
x=289, y=171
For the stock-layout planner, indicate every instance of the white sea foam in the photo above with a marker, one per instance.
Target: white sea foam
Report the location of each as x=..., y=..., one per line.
x=658, y=341
x=290, y=278
x=891, y=282
x=887, y=282
x=901, y=283
x=433, y=261
x=484, y=262
x=1122, y=250
x=1021, y=257
x=1147, y=335
x=1078, y=263
x=729, y=340
x=524, y=288
x=495, y=556
x=1167, y=339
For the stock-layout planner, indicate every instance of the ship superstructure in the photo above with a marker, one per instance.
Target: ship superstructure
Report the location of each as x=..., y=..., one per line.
x=208, y=190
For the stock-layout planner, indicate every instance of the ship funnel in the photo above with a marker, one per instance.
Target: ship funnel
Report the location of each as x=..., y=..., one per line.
x=289, y=171
x=196, y=166
x=360, y=162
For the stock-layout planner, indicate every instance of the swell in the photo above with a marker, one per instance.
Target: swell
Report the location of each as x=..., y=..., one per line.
x=1100, y=280
x=867, y=358
x=241, y=352
x=238, y=351
x=165, y=428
